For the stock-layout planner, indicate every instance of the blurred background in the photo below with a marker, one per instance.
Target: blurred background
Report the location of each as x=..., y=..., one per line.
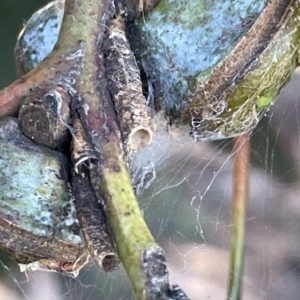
x=185, y=189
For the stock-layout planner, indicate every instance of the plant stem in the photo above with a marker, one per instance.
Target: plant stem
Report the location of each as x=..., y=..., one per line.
x=77, y=64
x=240, y=187
x=107, y=169
x=10, y=97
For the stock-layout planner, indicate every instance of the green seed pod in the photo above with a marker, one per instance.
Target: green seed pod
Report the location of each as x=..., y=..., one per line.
x=38, y=37
x=38, y=221
x=217, y=65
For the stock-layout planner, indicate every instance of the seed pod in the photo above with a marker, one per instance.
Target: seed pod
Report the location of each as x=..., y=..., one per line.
x=218, y=72
x=38, y=222
x=38, y=37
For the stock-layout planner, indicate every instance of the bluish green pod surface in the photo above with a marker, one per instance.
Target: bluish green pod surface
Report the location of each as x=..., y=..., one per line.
x=180, y=41
x=39, y=35
x=192, y=53
x=38, y=222
x=184, y=41
x=34, y=192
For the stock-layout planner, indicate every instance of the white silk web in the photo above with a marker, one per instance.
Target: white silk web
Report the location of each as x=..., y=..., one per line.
x=185, y=191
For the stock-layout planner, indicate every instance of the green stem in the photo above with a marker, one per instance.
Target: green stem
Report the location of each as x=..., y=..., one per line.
x=240, y=175
x=127, y=224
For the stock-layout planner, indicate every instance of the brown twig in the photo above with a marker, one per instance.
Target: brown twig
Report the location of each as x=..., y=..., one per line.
x=125, y=87
x=10, y=97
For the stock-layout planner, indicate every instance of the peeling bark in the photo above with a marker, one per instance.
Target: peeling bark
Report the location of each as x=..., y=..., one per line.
x=125, y=86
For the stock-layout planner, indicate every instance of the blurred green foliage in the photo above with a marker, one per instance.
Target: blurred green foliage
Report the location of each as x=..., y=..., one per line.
x=13, y=14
